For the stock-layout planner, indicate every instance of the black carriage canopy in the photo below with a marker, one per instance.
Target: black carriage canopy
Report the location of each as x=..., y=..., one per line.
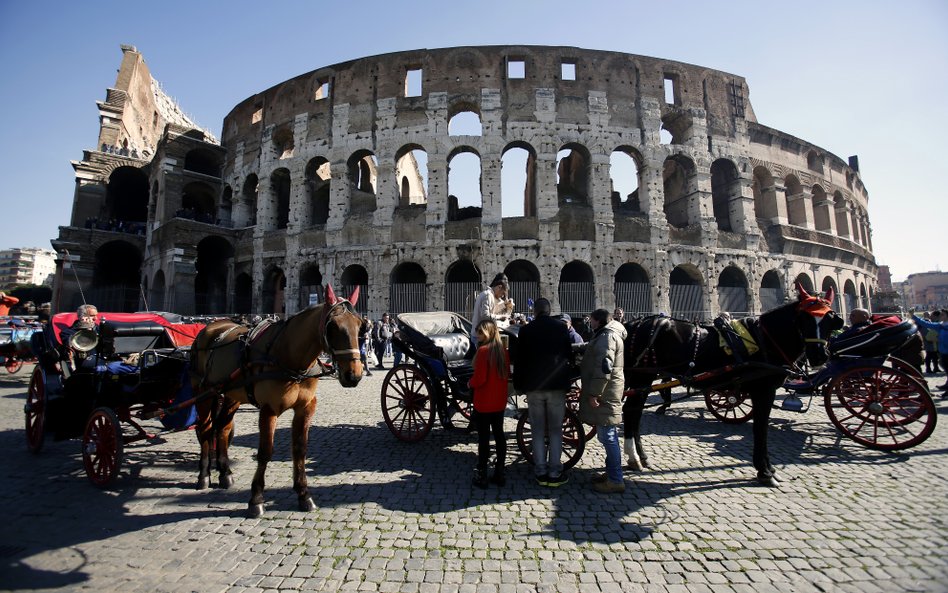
x=437, y=334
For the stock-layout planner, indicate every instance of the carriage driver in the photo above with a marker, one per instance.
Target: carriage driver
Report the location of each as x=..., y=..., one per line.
x=85, y=319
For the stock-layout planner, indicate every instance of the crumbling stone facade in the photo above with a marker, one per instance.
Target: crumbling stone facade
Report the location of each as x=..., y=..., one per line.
x=349, y=174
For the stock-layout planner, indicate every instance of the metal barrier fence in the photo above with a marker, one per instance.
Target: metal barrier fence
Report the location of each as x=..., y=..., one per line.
x=733, y=299
x=577, y=298
x=522, y=293
x=687, y=302
x=635, y=298
x=362, y=305
x=459, y=297
x=407, y=298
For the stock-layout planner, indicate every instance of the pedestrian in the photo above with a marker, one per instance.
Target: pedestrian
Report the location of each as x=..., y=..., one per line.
x=618, y=315
x=489, y=383
x=7, y=301
x=931, y=344
x=364, y=343
x=493, y=303
x=942, y=328
x=381, y=334
x=574, y=336
x=542, y=364
x=600, y=403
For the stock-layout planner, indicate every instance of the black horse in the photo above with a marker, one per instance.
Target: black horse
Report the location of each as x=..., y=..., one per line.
x=757, y=361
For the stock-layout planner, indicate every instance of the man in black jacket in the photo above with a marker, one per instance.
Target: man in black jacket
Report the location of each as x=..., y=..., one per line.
x=542, y=371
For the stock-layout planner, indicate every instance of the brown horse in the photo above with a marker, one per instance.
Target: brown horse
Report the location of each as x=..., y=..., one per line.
x=275, y=366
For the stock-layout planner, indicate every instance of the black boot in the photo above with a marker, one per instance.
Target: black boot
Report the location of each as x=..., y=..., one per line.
x=480, y=479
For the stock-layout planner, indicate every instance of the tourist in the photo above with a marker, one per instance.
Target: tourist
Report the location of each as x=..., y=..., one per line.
x=942, y=328
x=600, y=403
x=493, y=303
x=489, y=384
x=542, y=366
x=381, y=334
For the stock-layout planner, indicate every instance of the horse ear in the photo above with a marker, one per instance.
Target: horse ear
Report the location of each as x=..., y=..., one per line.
x=830, y=294
x=801, y=292
x=354, y=297
x=330, y=295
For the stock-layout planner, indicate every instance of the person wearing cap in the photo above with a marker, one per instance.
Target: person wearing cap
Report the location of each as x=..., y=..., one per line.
x=493, y=303
x=7, y=301
x=542, y=371
x=574, y=337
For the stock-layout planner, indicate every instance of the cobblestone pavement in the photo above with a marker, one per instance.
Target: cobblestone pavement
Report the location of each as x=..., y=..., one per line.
x=397, y=517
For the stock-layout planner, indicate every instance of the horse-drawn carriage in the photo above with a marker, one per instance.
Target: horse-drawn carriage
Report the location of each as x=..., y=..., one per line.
x=98, y=383
x=434, y=381
x=15, y=345
x=870, y=395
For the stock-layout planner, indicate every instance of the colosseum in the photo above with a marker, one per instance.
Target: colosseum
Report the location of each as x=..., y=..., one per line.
x=593, y=178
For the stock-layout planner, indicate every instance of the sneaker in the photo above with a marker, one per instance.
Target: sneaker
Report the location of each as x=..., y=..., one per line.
x=599, y=478
x=542, y=480
x=554, y=482
x=607, y=487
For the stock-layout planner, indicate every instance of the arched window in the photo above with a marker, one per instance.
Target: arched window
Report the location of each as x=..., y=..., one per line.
x=251, y=184
x=274, y=289
x=518, y=177
x=842, y=215
x=156, y=296
x=633, y=290
x=126, y=195
x=224, y=213
x=197, y=202
x=355, y=276
x=311, y=286
x=572, y=174
x=280, y=190
x=318, y=186
x=828, y=283
x=725, y=188
x=464, y=184
x=243, y=294
x=624, y=172
x=115, y=277
x=765, y=194
x=805, y=281
x=680, y=184
x=465, y=123
x=203, y=161
x=210, y=283
x=796, y=208
x=814, y=161
x=411, y=171
x=821, y=210
x=524, y=283
x=849, y=295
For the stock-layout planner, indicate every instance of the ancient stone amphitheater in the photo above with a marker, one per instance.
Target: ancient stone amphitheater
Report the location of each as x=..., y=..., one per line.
x=592, y=178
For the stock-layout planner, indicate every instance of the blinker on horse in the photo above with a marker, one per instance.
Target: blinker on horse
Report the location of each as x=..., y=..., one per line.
x=275, y=366
x=663, y=346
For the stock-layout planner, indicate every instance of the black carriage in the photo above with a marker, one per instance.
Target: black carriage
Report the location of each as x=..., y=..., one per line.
x=15, y=347
x=133, y=366
x=870, y=395
x=433, y=383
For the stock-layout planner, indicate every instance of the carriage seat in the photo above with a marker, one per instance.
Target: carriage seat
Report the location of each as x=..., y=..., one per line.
x=880, y=338
x=455, y=346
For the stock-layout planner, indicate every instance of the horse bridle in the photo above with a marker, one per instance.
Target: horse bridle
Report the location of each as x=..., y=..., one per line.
x=354, y=352
x=806, y=340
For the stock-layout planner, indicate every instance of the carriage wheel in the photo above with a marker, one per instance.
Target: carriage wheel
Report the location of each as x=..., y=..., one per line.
x=730, y=406
x=102, y=446
x=407, y=403
x=35, y=411
x=465, y=408
x=574, y=441
x=14, y=365
x=572, y=402
x=880, y=407
x=898, y=363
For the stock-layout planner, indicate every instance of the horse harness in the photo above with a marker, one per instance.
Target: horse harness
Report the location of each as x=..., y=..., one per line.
x=249, y=339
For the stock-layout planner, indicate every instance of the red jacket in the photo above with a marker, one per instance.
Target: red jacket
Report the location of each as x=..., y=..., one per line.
x=490, y=389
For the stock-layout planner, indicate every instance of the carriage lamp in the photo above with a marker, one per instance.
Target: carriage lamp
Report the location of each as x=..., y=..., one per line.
x=792, y=403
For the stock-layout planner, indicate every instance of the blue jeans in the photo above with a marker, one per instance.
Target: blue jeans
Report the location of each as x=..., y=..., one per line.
x=609, y=437
x=546, y=409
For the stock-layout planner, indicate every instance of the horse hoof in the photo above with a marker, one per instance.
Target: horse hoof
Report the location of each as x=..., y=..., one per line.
x=307, y=505
x=769, y=481
x=636, y=465
x=254, y=511
x=226, y=481
x=203, y=483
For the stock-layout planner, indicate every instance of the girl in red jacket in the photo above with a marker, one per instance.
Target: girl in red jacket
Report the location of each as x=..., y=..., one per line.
x=491, y=368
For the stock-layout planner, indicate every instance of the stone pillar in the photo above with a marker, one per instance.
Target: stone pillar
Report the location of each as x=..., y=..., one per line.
x=600, y=199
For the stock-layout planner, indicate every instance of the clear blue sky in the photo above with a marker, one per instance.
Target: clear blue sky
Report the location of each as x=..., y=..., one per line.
x=856, y=77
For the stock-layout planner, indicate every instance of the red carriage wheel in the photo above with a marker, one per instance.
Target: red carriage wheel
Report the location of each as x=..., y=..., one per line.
x=14, y=365
x=35, y=410
x=407, y=403
x=730, y=406
x=574, y=441
x=465, y=408
x=572, y=402
x=880, y=407
x=102, y=446
x=898, y=363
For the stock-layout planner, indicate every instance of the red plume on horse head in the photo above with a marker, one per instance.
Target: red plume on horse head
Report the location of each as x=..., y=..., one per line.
x=802, y=294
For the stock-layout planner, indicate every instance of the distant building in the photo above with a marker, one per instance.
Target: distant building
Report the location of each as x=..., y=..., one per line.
x=885, y=278
x=27, y=266
x=927, y=290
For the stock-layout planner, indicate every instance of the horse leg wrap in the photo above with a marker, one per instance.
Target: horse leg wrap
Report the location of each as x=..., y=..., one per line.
x=635, y=463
